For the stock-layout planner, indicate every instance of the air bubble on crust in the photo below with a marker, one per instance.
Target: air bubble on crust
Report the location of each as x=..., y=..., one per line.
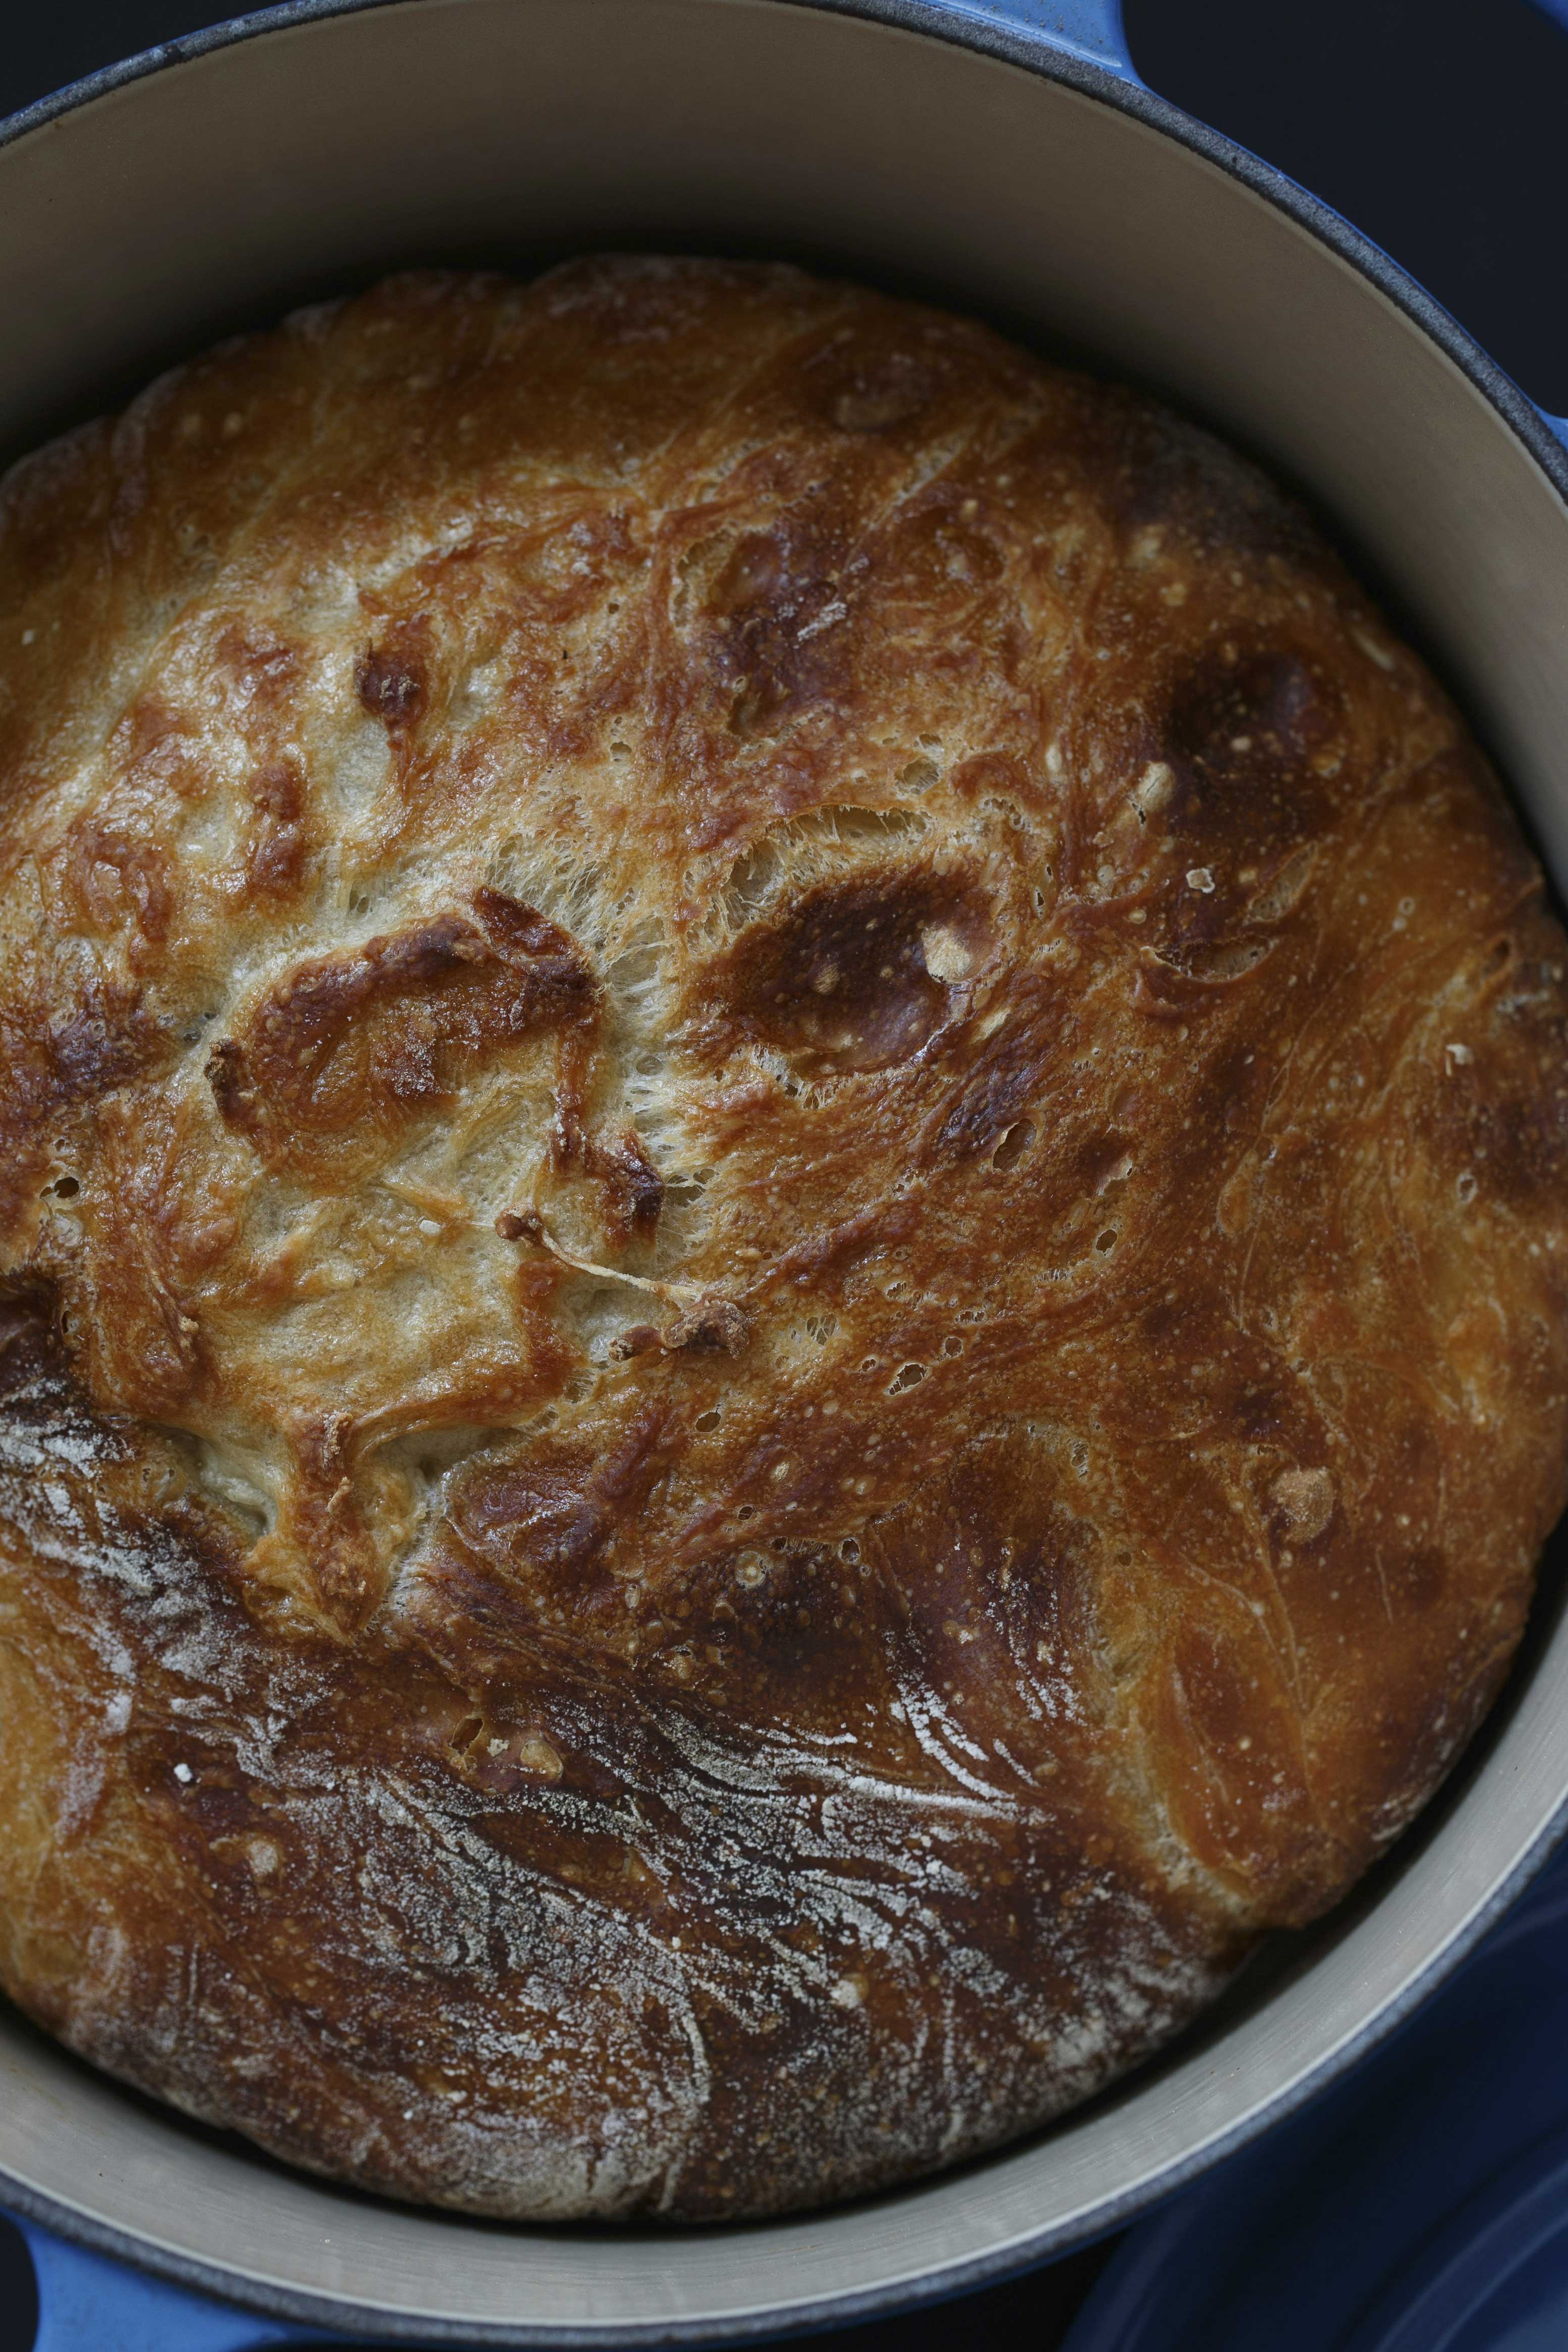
x=918, y=775
x=1279, y=896
x=364, y=895
x=1014, y=1143
x=824, y=842
x=1228, y=959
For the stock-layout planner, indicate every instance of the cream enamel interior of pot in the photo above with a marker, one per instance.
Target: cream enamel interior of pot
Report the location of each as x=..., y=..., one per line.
x=144, y=222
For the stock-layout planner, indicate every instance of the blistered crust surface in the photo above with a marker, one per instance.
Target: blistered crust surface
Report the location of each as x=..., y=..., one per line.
x=782, y=1173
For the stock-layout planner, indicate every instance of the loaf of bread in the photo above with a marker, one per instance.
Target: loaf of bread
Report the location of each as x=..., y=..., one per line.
x=782, y=1188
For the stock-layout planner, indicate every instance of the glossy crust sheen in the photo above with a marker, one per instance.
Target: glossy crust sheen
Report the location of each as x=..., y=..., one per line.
x=783, y=1146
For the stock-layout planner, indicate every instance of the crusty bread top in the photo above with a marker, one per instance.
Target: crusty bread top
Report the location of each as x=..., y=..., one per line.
x=775, y=1097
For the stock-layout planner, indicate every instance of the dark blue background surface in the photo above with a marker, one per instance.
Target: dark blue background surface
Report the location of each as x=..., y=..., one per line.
x=1437, y=126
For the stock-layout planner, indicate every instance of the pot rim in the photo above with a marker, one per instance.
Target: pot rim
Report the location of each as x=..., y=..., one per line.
x=949, y=22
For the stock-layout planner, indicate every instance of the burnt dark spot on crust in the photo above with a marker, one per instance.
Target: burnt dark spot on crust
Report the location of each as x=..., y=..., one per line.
x=643, y=1185
x=990, y=1561
x=842, y=980
x=1166, y=471
x=552, y=1518
x=1251, y=770
x=872, y=391
x=641, y=1339
x=107, y=1039
x=1254, y=725
x=776, y=612
x=1263, y=1415
x=814, y=1640
x=634, y=1187
x=390, y=685
x=1003, y=1083
x=350, y=1047
x=711, y=1323
x=521, y=1225
x=515, y=931
x=1520, y=1145
x=1251, y=747
x=226, y=1075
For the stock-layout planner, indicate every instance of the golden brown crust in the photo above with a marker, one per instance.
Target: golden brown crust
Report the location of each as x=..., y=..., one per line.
x=781, y=1159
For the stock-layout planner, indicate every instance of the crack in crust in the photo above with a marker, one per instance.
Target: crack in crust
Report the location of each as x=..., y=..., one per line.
x=782, y=1140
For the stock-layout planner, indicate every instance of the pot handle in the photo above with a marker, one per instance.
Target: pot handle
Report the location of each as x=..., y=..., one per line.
x=87, y=2303
x=1558, y=12
x=1092, y=29
x=1084, y=28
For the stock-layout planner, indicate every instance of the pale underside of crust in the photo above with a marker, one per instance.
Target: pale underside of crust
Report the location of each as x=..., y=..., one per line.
x=782, y=1172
